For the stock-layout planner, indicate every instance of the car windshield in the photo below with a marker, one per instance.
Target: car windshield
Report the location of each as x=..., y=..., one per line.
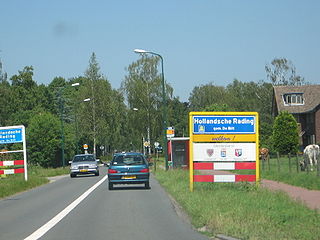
x=84, y=158
x=128, y=160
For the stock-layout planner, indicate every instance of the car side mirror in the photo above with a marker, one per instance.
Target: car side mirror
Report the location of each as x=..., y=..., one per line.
x=98, y=160
x=70, y=162
x=108, y=164
x=151, y=164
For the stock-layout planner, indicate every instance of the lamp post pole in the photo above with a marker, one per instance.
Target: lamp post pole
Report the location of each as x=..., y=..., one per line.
x=76, y=123
x=94, y=125
x=164, y=103
x=61, y=107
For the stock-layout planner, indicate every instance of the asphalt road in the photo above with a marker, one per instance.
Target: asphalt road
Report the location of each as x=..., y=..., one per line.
x=59, y=210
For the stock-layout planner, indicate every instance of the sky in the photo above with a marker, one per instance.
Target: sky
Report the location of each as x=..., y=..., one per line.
x=201, y=41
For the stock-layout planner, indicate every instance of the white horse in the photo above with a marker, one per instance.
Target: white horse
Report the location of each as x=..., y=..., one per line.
x=310, y=155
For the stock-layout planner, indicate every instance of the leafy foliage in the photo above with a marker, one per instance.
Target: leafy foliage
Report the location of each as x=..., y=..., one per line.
x=108, y=120
x=283, y=72
x=285, y=134
x=143, y=90
x=44, y=148
x=237, y=96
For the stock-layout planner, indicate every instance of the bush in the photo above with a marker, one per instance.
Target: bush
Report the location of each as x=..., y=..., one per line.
x=285, y=134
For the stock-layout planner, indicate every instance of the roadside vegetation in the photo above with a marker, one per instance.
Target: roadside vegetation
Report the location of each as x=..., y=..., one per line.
x=12, y=184
x=288, y=171
x=241, y=210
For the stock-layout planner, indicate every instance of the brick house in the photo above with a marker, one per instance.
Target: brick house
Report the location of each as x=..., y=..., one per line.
x=303, y=102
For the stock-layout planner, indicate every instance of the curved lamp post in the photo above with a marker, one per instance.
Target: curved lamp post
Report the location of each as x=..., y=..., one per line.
x=94, y=125
x=75, y=121
x=61, y=107
x=164, y=109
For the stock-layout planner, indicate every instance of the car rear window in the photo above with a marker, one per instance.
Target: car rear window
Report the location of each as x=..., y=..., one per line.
x=128, y=160
x=83, y=158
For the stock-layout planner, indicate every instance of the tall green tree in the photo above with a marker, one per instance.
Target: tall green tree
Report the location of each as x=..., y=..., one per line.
x=283, y=72
x=3, y=75
x=44, y=140
x=101, y=107
x=207, y=95
x=178, y=116
x=285, y=134
x=142, y=87
x=26, y=98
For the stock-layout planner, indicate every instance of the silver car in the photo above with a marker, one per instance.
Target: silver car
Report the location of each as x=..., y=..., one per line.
x=84, y=164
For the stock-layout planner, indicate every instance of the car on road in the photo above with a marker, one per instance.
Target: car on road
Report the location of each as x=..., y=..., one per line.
x=84, y=164
x=128, y=168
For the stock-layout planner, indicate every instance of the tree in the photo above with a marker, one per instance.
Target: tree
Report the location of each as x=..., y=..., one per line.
x=283, y=72
x=178, y=116
x=26, y=97
x=3, y=75
x=285, y=134
x=217, y=108
x=93, y=75
x=143, y=90
x=101, y=106
x=44, y=140
x=206, y=95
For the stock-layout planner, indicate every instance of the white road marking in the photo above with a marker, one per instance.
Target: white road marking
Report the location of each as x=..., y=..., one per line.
x=50, y=224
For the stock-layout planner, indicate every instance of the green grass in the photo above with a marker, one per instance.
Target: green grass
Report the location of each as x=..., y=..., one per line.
x=241, y=210
x=12, y=184
x=282, y=173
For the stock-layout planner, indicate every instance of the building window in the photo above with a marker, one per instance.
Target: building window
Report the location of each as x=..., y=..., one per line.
x=293, y=99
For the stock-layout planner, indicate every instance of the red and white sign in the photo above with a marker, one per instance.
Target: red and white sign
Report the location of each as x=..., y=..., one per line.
x=12, y=135
x=224, y=166
x=11, y=163
x=12, y=171
x=226, y=152
x=224, y=178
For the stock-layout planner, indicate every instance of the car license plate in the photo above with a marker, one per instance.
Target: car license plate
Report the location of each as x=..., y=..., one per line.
x=129, y=177
x=83, y=170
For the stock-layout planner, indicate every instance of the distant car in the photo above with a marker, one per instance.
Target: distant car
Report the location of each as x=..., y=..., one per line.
x=84, y=164
x=128, y=168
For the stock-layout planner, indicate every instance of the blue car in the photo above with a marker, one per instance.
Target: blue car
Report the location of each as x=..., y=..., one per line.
x=128, y=168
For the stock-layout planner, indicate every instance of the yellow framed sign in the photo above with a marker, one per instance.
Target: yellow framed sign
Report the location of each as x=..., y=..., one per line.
x=223, y=141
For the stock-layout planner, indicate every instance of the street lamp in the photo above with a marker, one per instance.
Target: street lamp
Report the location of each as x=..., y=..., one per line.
x=75, y=121
x=61, y=107
x=94, y=125
x=148, y=136
x=164, y=109
x=75, y=84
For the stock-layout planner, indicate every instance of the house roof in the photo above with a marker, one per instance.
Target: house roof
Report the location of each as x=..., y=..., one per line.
x=311, y=96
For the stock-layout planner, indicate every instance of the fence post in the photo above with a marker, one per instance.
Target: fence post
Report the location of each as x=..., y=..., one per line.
x=278, y=160
x=307, y=165
x=297, y=162
x=289, y=156
x=318, y=168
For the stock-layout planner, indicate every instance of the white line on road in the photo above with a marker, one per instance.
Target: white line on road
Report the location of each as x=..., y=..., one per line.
x=50, y=224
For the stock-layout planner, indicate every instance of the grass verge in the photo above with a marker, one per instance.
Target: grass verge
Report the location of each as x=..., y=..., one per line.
x=37, y=176
x=241, y=210
x=282, y=171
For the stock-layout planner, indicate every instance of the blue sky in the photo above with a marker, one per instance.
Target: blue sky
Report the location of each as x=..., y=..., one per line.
x=203, y=41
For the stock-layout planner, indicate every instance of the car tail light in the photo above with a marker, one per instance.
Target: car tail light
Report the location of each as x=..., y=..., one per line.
x=145, y=170
x=112, y=171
